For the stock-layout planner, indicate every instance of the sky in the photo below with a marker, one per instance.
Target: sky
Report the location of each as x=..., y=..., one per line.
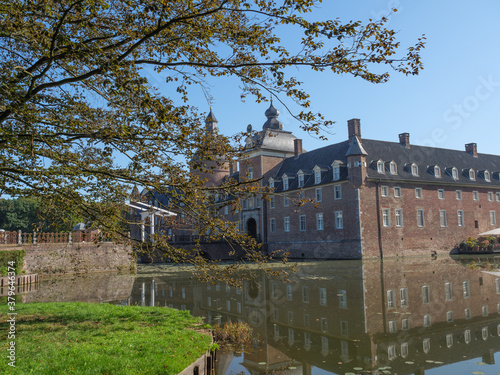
x=453, y=101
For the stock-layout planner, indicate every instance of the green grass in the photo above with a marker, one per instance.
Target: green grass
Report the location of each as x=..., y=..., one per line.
x=84, y=338
x=9, y=256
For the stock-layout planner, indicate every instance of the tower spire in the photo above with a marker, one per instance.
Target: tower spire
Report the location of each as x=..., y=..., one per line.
x=211, y=123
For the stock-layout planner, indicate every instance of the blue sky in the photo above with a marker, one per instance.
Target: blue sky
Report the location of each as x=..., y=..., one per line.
x=455, y=100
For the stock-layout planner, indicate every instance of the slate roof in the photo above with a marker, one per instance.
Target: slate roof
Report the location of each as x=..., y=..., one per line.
x=426, y=157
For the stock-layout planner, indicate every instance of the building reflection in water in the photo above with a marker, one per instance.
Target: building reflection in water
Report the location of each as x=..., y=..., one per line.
x=410, y=314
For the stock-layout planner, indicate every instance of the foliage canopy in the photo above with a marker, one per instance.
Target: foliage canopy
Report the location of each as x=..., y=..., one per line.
x=75, y=102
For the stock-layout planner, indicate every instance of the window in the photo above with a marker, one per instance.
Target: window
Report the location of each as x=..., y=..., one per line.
x=441, y=193
x=414, y=170
x=448, y=292
x=228, y=305
x=238, y=307
x=405, y=324
x=484, y=333
x=336, y=173
x=498, y=197
x=272, y=225
x=384, y=191
x=250, y=203
x=490, y=196
x=380, y=166
x=322, y=296
x=454, y=173
x=226, y=210
x=271, y=182
x=399, y=217
x=404, y=350
x=339, y=221
x=244, y=204
x=250, y=172
x=344, y=328
x=291, y=336
x=319, y=221
x=459, y=195
x=337, y=192
x=276, y=332
x=391, y=352
x=442, y=218
x=307, y=320
x=418, y=193
x=317, y=176
x=319, y=195
x=257, y=202
x=427, y=320
x=449, y=316
x=468, y=314
x=420, y=218
x=475, y=195
x=460, y=214
x=342, y=294
x=289, y=295
x=487, y=176
x=472, y=175
x=286, y=201
x=324, y=325
x=404, y=297
x=301, y=179
x=324, y=345
x=437, y=172
x=271, y=202
x=484, y=310
x=391, y=301
x=285, y=183
x=393, y=168
x=449, y=340
x=302, y=223
x=426, y=298
x=397, y=192
x=467, y=336
x=386, y=220
x=307, y=340
x=305, y=294
x=393, y=327
x=466, y=289
x=493, y=218
x=497, y=283
x=287, y=224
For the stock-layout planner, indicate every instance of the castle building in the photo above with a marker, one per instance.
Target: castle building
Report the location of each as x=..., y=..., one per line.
x=367, y=198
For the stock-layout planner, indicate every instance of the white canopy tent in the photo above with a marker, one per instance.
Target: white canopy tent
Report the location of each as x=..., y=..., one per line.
x=493, y=232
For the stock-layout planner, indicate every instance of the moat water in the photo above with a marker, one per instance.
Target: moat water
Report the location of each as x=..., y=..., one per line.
x=399, y=316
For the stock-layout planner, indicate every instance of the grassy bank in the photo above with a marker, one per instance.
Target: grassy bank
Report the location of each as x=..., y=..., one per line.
x=81, y=338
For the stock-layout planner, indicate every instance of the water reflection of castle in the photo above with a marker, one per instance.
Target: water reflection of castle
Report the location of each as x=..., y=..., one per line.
x=411, y=315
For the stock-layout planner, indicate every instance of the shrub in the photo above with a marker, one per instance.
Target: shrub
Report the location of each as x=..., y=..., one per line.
x=237, y=334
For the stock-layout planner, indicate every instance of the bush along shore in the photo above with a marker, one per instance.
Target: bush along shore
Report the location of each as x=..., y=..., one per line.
x=85, y=338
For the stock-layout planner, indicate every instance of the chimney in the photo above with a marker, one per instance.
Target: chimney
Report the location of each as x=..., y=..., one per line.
x=233, y=167
x=404, y=139
x=297, y=147
x=354, y=128
x=471, y=148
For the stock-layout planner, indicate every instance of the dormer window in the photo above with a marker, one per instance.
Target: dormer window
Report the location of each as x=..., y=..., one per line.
x=454, y=173
x=380, y=166
x=300, y=176
x=487, y=176
x=393, y=168
x=472, y=175
x=250, y=173
x=336, y=173
x=317, y=174
x=285, y=183
x=414, y=169
x=437, y=172
x=271, y=182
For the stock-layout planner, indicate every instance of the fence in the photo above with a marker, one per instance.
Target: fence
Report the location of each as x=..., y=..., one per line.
x=19, y=238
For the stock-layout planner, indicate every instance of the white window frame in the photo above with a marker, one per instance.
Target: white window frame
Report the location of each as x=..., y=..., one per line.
x=302, y=223
x=398, y=213
x=300, y=179
x=475, y=195
x=250, y=173
x=426, y=294
x=472, y=175
x=336, y=173
x=386, y=217
x=391, y=299
x=271, y=182
x=322, y=296
x=272, y=202
x=384, y=191
x=493, y=218
x=466, y=289
x=403, y=293
x=437, y=171
x=460, y=218
x=448, y=291
x=459, y=195
x=286, y=223
x=286, y=200
x=487, y=176
x=317, y=176
x=397, y=191
x=443, y=222
x=319, y=195
x=441, y=193
x=420, y=218
x=393, y=168
x=342, y=294
x=380, y=166
x=490, y=196
x=319, y=221
x=339, y=220
x=337, y=192
x=414, y=169
x=454, y=173
x=272, y=225
x=419, y=193
x=286, y=183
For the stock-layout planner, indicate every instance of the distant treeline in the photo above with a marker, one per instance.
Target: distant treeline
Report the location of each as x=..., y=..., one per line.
x=28, y=214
